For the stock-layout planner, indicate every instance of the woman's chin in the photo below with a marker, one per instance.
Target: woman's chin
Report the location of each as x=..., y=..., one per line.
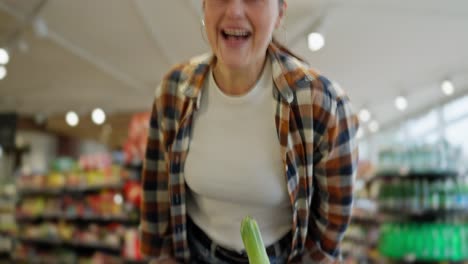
x=234, y=65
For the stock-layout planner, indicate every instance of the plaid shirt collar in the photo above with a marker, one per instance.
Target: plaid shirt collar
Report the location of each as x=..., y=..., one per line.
x=194, y=77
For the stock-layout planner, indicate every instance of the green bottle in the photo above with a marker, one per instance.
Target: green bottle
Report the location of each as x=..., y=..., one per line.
x=457, y=254
x=434, y=193
x=415, y=196
x=450, y=195
x=438, y=244
x=424, y=197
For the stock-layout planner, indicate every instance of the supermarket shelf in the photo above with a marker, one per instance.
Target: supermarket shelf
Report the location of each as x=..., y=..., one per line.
x=35, y=260
x=137, y=166
x=42, y=241
x=95, y=219
x=6, y=234
x=71, y=244
x=105, y=219
x=67, y=191
x=94, y=246
x=411, y=260
x=131, y=261
x=4, y=255
x=117, y=186
x=41, y=191
x=18, y=259
x=357, y=240
x=29, y=260
x=412, y=175
x=427, y=215
x=365, y=221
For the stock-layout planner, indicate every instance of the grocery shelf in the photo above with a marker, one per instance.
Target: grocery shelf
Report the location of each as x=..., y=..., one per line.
x=6, y=234
x=428, y=215
x=72, y=244
x=106, y=219
x=366, y=221
x=42, y=241
x=358, y=240
x=97, y=188
x=414, y=175
x=136, y=167
x=67, y=190
x=92, y=218
x=35, y=260
x=91, y=204
x=132, y=261
x=94, y=246
x=4, y=255
x=39, y=191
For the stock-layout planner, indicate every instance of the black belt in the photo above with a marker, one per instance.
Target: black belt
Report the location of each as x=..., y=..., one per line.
x=232, y=256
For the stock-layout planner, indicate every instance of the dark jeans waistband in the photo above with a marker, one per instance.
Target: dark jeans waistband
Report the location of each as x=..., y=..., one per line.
x=231, y=256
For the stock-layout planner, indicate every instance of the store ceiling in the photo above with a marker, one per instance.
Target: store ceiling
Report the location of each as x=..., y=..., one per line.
x=77, y=55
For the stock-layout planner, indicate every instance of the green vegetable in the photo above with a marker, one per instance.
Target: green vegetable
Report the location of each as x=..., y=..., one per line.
x=253, y=242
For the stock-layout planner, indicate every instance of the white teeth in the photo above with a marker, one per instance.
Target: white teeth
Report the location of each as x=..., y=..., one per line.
x=236, y=32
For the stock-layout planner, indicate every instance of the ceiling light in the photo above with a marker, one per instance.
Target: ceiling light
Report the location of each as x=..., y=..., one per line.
x=98, y=116
x=374, y=126
x=72, y=119
x=40, y=27
x=447, y=87
x=360, y=133
x=118, y=199
x=401, y=103
x=4, y=56
x=3, y=72
x=364, y=115
x=315, y=41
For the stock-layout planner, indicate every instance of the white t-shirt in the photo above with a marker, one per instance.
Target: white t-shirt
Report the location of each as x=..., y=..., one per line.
x=234, y=167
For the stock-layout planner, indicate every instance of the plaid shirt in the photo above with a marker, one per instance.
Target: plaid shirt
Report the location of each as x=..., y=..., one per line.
x=316, y=129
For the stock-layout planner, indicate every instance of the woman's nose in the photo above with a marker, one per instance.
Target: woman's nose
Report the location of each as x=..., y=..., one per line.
x=235, y=8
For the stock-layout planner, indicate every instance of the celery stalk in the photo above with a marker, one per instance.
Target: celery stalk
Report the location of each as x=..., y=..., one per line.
x=253, y=242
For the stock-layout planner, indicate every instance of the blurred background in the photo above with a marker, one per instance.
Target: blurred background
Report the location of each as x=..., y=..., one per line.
x=76, y=86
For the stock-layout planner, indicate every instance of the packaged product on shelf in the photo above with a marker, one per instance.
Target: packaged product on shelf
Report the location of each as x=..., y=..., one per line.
x=55, y=180
x=134, y=147
x=31, y=207
x=100, y=258
x=64, y=164
x=97, y=161
x=65, y=231
x=75, y=179
x=420, y=158
x=132, y=192
x=30, y=182
x=428, y=242
x=131, y=247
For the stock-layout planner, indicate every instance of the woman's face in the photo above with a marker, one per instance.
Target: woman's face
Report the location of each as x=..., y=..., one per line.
x=239, y=31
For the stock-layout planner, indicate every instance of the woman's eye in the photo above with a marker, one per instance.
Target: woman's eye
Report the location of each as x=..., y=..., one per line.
x=216, y=2
x=254, y=1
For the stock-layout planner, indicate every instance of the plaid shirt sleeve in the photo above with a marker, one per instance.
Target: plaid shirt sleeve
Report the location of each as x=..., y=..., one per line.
x=155, y=228
x=335, y=159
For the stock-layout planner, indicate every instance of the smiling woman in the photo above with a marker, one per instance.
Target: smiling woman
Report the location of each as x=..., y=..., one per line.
x=239, y=33
x=268, y=138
